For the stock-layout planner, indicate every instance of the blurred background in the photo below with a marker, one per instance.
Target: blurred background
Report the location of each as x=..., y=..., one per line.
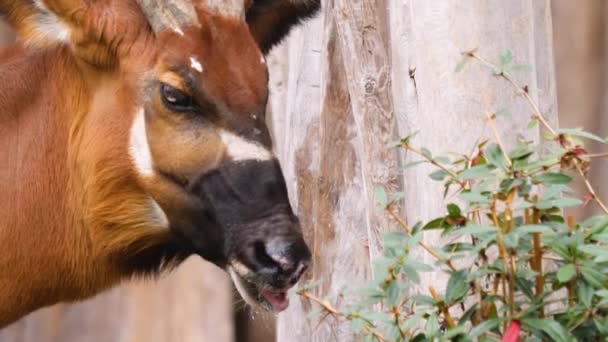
x=197, y=302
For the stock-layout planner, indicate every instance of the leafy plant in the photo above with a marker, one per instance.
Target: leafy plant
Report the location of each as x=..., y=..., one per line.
x=517, y=267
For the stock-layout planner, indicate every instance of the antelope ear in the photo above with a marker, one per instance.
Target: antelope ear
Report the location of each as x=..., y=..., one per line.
x=271, y=20
x=89, y=27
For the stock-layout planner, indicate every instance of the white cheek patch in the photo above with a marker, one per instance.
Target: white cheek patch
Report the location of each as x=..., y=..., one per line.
x=196, y=65
x=48, y=26
x=178, y=31
x=139, y=149
x=262, y=59
x=240, y=149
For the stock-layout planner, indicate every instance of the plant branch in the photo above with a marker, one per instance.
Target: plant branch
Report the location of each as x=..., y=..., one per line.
x=590, y=188
x=407, y=228
x=434, y=162
x=597, y=155
x=333, y=311
x=443, y=308
x=498, y=139
x=522, y=90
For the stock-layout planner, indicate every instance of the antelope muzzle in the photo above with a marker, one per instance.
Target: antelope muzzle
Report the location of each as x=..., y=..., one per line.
x=262, y=240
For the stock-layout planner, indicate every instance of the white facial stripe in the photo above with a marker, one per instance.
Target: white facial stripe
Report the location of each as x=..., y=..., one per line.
x=48, y=25
x=196, y=65
x=139, y=149
x=262, y=59
x=178, y=31
x=159, y=218
x=240, y=149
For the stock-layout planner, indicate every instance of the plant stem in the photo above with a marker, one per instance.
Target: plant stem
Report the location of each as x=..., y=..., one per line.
x=571, y=283
x=498, y=139
x=597, y=155
x=590, y=188
x=421, y=244
x=523, y=90
x=434, y=162
x=443, y=308
x=503, y=254
x=538, y=259
x=335, y=312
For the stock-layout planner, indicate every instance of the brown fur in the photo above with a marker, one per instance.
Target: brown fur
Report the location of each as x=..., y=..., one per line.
x=75, y=218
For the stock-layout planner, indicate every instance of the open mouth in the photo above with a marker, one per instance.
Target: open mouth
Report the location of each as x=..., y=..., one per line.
x=256, y=293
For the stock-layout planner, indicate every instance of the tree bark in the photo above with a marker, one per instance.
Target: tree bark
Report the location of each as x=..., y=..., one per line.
x=368, y=72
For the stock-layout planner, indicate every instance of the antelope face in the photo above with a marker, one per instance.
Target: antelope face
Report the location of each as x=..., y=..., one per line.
x=201, y=145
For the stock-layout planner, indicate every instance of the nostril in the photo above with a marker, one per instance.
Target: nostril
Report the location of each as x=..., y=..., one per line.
x=261, y=255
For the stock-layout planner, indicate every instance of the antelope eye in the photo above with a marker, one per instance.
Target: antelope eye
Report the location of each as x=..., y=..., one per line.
x=175, y=99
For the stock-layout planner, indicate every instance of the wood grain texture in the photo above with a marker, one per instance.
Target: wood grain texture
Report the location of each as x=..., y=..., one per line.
x=387, y=69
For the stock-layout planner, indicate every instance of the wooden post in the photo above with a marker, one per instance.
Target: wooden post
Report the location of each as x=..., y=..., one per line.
x=366, y=73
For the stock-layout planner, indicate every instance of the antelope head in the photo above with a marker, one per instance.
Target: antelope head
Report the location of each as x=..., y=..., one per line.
x=202, y=150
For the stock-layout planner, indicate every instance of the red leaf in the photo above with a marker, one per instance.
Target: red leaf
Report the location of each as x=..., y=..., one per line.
x=512, y=333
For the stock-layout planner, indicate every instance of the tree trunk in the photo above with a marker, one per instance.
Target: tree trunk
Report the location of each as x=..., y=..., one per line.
x=368, y=72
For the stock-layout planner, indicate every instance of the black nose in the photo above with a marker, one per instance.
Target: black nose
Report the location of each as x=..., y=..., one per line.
x=286, y=259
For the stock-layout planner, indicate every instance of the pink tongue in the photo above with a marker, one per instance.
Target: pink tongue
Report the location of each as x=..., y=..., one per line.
x=279, y=301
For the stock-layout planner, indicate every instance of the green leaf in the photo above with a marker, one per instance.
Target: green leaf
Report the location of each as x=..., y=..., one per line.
x=533, y=123
x=412, y=164
x=476, y=172
x=426, y=152
x=475, y=230
x=432, y=327
x=559, y=203
x=381, y=196
x=439, y=175
x=566, y=273
x=593, y=276
x=511, y=240
x=495, y=157
x=585, y=294
x=555, y=330
x=506, y=57
x=463, y=62
x=452, y=333
x=551, y=178
x=521, y=67
x=532, y=228
x=454, y=210
x=475, y=197
x=457, y=287
x=371, y=291
x=412, y=321
x=484, y=327
x=357, y=324
x=580, y=133
x=393, y=291
x=438, y=223
x=521, y=152
x=424, y=300
x=595, y=250
x=502, y=112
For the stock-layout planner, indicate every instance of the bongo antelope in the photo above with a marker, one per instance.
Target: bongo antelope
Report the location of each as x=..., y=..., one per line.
x=132, y=136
